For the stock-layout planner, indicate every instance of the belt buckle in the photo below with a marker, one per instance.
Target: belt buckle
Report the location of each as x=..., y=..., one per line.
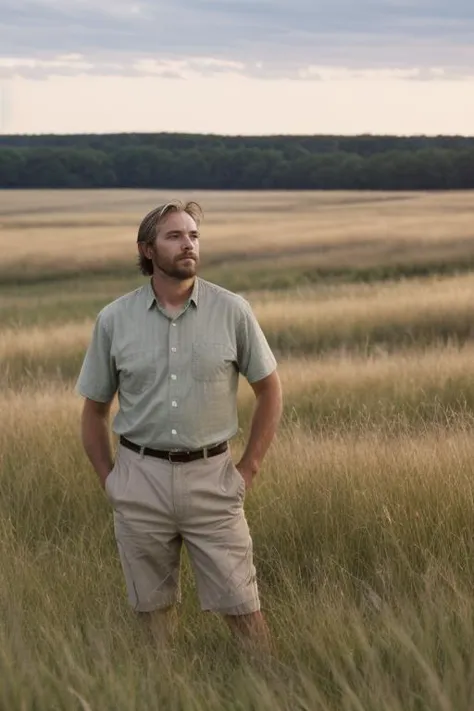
x=174, y=451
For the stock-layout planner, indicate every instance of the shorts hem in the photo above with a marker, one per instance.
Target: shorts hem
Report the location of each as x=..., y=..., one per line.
x=246, y=607
x=157, y=605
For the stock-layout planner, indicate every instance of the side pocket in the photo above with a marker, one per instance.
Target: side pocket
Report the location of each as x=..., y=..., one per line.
x=108, y=480
x=117, y=483
x=108, y=486
x=242, y=485
x=233, y=482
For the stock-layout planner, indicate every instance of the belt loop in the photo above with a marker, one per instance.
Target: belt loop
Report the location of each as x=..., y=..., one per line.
x=142, y=450
x=205, y=452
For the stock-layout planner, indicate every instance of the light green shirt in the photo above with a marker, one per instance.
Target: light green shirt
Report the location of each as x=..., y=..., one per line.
x=176, y=377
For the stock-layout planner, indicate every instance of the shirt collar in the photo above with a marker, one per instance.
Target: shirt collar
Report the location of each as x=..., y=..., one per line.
x=151, y=298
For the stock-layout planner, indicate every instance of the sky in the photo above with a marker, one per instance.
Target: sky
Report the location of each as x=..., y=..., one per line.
x=237, y=66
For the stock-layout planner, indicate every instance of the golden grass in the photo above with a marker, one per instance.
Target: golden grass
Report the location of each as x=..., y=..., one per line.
x=396, y=314
x=44, y=341
x=404, y=372
x=404, y=391
x=367, y=314
x=87, y=228
x=361, y=318
x=327, y=306
x=401, y=372
x=31, y=354
x=27, y=205
x=391, y=393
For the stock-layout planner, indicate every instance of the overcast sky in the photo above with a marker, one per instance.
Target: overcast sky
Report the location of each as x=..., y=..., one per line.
x=237, y=66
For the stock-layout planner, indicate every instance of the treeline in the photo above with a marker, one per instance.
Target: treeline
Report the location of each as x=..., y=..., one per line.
x=186, y=161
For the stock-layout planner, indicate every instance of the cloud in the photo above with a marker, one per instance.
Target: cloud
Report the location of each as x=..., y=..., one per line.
x=260, y=38
x=76, y=65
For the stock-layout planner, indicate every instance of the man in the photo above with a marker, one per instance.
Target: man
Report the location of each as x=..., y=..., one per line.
x=173, y=351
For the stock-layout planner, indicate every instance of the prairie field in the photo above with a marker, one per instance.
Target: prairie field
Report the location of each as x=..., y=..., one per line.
x=363, y=514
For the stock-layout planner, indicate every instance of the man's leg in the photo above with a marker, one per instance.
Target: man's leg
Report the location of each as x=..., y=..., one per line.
x=251, y=632
x=160, y=626
x=148, y=542
x=219, y=543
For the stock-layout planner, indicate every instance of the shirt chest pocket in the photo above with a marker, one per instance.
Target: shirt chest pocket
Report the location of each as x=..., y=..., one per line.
x=138, y=371
x=211, y=361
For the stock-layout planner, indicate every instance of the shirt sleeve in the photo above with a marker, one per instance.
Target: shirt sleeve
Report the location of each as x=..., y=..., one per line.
x=98, y=379
x=255, y=358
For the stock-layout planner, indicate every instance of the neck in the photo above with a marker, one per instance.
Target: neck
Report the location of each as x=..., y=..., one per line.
x=169, y=291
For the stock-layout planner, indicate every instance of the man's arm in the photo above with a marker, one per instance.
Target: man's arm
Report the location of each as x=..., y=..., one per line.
x=258, y=365
x=96, y=438
x=265, y=420
x=98, y=383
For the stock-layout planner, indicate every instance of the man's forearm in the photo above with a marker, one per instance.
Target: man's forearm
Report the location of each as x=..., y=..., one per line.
x=265, y=420
x=96, y=443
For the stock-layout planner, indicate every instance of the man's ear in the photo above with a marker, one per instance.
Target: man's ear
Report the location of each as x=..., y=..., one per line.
x=144, y=250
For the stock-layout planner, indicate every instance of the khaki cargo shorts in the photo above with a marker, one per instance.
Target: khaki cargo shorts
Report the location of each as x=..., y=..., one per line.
x=158, y=506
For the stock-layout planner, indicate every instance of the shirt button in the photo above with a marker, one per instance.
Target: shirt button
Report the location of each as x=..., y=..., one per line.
x=173, y=324
x=173, y=432
x=174, y=377
x=174, y=403
x=173, y=350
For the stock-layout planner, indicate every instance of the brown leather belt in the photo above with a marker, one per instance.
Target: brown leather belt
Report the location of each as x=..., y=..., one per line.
x=175, y=456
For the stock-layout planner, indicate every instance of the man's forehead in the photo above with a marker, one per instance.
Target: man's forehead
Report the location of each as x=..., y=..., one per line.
x=178, y=221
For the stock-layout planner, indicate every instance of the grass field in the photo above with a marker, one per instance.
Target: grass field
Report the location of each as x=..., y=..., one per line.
x=362, y=517
x=271, y=241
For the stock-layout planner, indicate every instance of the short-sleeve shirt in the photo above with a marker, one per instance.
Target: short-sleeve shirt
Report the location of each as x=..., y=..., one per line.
x=176, y=378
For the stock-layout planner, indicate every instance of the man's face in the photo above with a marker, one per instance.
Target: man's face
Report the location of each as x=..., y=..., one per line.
x=175, y=251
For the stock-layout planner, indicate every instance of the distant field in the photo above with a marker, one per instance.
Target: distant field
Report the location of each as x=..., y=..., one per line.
x=249, y=240
x=362, y=515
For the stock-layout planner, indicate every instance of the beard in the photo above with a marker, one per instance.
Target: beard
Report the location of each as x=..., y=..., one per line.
x=177, y=268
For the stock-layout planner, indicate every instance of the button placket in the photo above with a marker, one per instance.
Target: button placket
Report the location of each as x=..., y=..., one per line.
x=173, y=355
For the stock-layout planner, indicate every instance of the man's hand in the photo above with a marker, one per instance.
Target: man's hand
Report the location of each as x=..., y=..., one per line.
x=247, y=472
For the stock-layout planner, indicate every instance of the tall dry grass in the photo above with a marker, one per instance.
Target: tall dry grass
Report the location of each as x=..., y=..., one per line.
x=399, y=315
x=347, y=388
x=401, y=391
x=50, y=337
x=392, y=393
x=364, y=553
x=361, y=515
x=303, y=320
